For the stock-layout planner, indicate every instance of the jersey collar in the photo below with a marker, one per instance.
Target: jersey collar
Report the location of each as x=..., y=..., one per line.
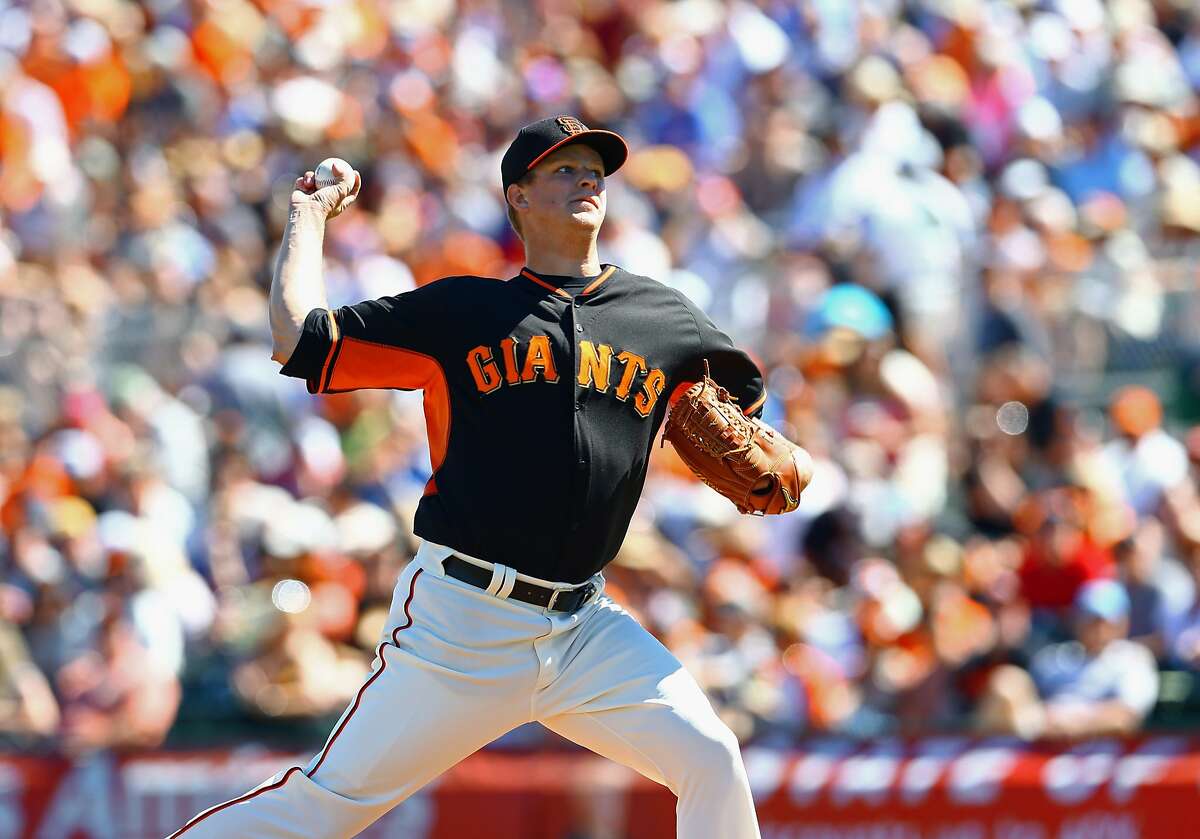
x=555, y=283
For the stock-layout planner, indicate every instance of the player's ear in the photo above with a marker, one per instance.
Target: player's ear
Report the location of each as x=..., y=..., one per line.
x=516, y=196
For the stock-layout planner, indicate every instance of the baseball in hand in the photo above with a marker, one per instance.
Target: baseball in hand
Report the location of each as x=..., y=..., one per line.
x=332, y=170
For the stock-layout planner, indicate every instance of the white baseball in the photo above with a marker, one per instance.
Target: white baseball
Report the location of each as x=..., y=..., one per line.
x=332, y=170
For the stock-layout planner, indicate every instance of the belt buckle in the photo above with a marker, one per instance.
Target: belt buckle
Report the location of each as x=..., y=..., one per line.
x=587, y=589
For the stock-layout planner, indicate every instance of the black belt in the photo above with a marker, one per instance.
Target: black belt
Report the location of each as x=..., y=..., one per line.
x=557, y=599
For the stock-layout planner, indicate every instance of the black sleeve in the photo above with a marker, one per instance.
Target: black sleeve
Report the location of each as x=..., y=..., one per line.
x=730, y=367
x=386, y=343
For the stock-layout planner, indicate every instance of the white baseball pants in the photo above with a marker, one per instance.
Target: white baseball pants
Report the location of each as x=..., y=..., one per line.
x=458, y=668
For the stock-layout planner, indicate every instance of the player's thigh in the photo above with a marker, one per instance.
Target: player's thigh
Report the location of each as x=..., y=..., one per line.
x=609, y=661
x=625, y=696
x=434, y=696
x=409, y=723
x=613, y=662
x=430, y=701
x=670, y=736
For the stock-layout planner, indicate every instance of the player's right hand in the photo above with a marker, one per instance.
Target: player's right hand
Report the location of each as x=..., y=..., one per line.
x=329, y=201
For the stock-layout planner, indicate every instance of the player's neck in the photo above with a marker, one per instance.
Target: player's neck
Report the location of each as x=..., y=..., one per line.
x=583, y=261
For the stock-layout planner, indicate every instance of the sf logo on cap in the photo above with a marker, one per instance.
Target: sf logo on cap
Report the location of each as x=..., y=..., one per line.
x=570, y=125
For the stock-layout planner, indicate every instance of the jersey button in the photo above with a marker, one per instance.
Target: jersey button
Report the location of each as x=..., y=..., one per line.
x=578, y=303
x=579, y=327
x=578, y=406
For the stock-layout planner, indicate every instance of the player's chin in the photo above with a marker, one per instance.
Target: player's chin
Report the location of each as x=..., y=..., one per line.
x=586, y=214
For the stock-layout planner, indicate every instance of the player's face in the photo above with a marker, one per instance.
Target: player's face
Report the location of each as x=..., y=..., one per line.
x=567, y=190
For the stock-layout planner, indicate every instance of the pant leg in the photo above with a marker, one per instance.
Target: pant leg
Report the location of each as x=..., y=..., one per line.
x=623, y=695
x=438, y=692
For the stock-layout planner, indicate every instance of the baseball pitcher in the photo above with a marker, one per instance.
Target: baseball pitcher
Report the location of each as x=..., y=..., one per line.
x=543, y=396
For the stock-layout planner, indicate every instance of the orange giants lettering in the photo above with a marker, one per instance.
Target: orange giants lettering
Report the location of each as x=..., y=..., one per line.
x=595, y=360
x=540, y=359
x=483, y=369
x=652, y=388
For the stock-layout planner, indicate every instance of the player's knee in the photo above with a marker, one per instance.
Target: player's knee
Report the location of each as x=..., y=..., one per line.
x=714, y=756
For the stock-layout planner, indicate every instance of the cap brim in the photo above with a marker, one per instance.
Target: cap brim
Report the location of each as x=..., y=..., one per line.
x=1110, y=616
x=608, y=144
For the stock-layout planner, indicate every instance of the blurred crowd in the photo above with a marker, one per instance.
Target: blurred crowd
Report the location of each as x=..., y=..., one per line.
x=960, y=236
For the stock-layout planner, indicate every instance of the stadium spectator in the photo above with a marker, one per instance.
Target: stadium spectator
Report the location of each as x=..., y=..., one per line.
x=1096, y=685
x=1146, y=459
x=29, y=712
x=115, y=694
x=1160, y=588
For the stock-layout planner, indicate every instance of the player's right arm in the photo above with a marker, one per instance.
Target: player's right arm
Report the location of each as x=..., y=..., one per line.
x=390, y=342
x=297, y=284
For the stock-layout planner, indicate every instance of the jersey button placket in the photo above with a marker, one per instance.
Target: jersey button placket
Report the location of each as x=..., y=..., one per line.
x=581, y=462
x=577, y=302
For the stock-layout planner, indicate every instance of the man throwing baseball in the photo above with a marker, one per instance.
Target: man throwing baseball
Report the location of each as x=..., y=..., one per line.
x=543, y=398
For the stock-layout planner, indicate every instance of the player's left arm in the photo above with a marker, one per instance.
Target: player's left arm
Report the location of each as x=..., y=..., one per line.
x=749, y=462
x=730, y=367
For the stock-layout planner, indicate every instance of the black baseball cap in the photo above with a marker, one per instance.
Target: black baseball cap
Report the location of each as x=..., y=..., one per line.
x=538, y=139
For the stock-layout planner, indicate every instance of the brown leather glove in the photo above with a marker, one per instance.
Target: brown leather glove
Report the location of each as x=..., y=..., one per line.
x=744, y=459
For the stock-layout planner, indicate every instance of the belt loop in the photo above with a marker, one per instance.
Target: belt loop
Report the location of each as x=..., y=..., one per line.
x=510, y=579
x=428, y=557
x=499, y=573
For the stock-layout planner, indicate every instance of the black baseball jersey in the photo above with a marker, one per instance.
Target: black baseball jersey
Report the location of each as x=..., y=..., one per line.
x=543, y=399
